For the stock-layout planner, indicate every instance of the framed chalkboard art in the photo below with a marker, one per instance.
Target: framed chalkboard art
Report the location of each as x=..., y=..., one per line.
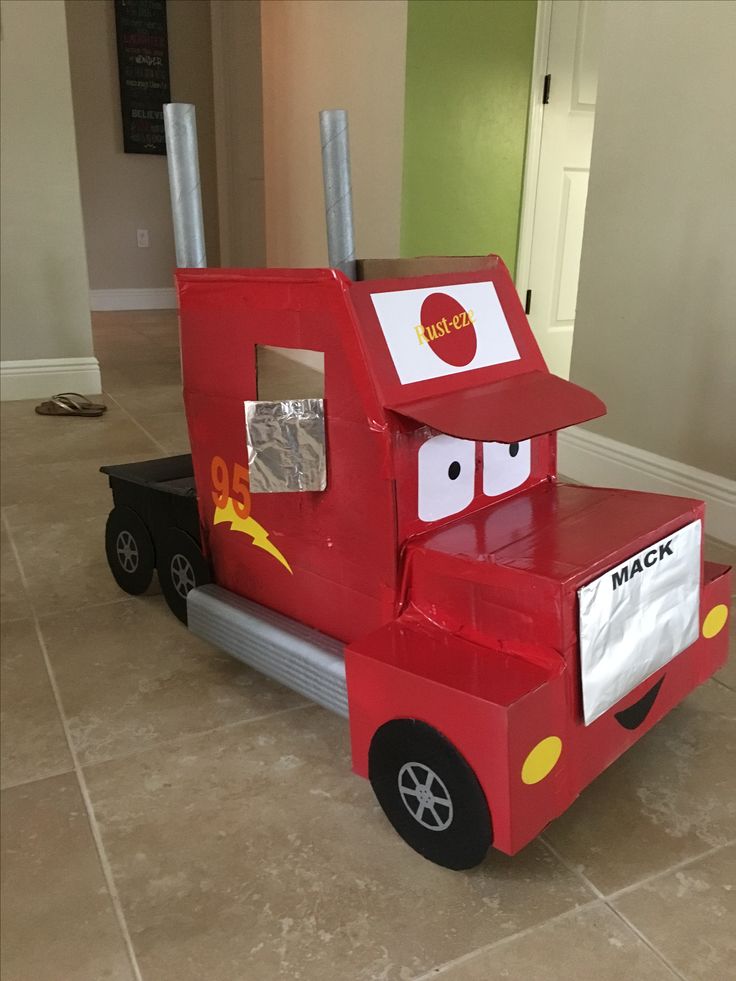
x=143, y=67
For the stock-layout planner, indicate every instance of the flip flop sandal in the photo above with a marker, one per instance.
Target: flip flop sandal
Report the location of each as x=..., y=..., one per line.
x=75, y=398
x=63, y=405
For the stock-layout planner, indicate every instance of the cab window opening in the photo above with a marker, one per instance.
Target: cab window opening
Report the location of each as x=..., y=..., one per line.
x=284, y=373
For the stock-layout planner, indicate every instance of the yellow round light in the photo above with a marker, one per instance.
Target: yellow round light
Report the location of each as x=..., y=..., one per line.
x=541, y=760
x=715, y=621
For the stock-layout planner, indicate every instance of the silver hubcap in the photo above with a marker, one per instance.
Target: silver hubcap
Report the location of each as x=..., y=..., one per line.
x=425, y=796
x=127, y=551
x=182, y=574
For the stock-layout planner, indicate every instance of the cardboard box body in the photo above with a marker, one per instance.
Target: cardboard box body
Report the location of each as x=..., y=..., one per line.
x=443, y=552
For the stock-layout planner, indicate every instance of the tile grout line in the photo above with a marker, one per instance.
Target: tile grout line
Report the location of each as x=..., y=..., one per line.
x=82, y=783
x=440, y=969
x=647, y=942
x=91, y=817
x=571, y=868
x=184, y=737
x=163, y=743
x=39, y=779
x=613, y=896
x=66, y=610
x=133, y=419
x=605, y=900
x=15, y=620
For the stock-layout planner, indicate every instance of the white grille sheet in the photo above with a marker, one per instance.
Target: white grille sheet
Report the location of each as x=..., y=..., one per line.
x=636, y=617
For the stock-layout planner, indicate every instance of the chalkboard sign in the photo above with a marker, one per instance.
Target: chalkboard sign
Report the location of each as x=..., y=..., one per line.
x=143, y=66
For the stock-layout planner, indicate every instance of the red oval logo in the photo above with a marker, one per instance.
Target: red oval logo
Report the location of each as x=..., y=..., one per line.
x=448, y=329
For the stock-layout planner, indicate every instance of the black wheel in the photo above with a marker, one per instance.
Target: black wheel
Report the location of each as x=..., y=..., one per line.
x=181, y=566
x=130, y=552
x=429, y=794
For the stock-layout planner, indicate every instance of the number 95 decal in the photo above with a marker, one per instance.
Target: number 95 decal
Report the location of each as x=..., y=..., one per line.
x=232, y=500
x=223, y=489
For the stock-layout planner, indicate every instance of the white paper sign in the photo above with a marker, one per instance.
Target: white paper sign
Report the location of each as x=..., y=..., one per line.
x=635, y=618
x=415, y=358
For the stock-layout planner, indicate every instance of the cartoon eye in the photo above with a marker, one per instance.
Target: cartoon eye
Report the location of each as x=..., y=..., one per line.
x=505, y=466
x=446, y=476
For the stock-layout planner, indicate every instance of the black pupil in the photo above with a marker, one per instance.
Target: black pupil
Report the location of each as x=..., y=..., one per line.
x=453, y=471
x=513, y=448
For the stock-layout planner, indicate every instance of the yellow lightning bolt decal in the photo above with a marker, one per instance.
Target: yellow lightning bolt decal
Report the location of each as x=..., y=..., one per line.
x=249, y=526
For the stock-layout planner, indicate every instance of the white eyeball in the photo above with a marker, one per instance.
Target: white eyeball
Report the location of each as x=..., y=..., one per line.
x=505, y=466
x=446, y=476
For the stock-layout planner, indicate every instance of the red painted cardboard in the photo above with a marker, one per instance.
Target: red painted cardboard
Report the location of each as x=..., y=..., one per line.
x=444, y=551
x=416, y=669
x=339, y=568
x=508, y=410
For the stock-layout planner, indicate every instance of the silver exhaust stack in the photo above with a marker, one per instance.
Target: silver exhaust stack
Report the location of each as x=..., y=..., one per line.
x=333, y=128
x=180, y=125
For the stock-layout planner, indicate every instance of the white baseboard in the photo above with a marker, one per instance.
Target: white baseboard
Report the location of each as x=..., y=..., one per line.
x=153, y=299
x=595, y=459
x=44, y=377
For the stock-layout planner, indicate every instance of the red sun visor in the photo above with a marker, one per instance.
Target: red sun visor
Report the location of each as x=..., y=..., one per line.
x=506, y=411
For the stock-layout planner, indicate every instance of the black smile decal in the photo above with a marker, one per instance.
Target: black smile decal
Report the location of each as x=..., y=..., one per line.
x=633, y=716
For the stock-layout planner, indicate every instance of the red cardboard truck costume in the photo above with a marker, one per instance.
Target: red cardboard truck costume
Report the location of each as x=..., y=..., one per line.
x=402, y=551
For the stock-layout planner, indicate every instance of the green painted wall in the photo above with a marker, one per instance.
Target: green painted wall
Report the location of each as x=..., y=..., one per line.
x=468, y=72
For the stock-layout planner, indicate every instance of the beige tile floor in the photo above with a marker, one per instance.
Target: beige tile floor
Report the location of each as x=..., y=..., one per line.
x=172, y=816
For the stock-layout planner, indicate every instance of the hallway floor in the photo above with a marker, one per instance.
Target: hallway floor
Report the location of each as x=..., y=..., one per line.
x=170, y=815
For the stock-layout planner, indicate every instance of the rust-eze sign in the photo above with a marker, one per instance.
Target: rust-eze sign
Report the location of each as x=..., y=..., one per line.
x=143, y=67
x=442, y=330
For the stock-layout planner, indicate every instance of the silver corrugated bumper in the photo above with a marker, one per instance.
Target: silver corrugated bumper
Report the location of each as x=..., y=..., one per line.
x=303, y=659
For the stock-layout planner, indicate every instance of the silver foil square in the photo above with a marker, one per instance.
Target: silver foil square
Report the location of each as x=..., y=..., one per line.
x=286, y=446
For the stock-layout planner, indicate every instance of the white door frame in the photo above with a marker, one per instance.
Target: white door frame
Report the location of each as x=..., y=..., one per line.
x=533, y=147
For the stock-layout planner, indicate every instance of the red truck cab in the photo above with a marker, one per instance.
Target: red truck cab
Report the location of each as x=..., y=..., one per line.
x=502, y=636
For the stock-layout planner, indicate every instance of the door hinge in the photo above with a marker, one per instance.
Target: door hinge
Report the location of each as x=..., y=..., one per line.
x=545, y=90
x=528, y=303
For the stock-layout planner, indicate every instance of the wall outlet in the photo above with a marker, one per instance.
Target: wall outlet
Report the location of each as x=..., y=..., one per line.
x=142, y=238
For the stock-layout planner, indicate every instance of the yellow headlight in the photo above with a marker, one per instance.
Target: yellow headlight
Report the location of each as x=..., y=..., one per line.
x=715, y=621
x=541, y=760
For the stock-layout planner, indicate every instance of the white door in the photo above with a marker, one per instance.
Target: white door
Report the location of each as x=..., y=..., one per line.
x=553, y=260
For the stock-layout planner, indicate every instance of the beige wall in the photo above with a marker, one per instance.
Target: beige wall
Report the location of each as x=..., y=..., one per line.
x=122, y=192
x=655, y=331
x=45, y=314
x=236, y=61
x=326, y=54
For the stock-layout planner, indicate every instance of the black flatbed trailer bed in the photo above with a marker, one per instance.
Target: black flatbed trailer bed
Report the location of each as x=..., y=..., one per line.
x=161, y=492
x=171, y=474
x=154, y=525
